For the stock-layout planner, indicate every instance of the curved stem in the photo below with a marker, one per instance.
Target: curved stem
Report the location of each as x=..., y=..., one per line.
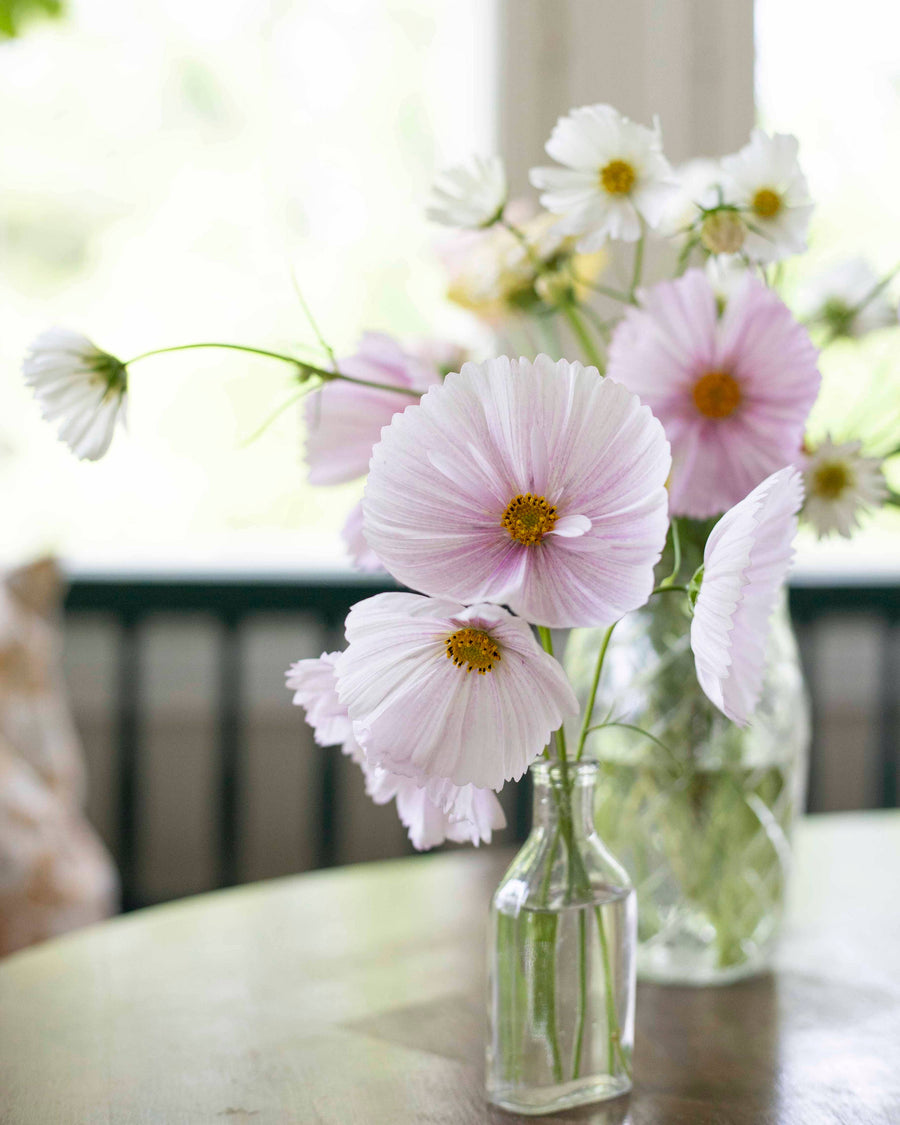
x=578, y=326
x=260, y=430
x=676, y=561
x=305, y=369
x=603, y=290
x=637, y=730
x=589, y=708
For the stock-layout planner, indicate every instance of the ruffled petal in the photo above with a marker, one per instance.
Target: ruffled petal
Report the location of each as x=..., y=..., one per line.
x=446, y=470
x=746, y=561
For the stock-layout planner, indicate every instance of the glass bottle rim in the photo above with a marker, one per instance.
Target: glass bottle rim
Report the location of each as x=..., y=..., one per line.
x=584, y=772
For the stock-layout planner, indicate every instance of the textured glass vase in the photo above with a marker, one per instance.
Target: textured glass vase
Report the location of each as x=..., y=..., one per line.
x=561, y=958
x=701, y=819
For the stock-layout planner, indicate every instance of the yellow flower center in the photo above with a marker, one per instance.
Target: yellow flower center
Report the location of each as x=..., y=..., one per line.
x=528, y=518
x=766, y=203
x=617, y=177
x=831, y=479
x=474, y=649
x=717, y=394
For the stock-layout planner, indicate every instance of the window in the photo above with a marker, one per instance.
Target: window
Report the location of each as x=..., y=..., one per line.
x=165, y=167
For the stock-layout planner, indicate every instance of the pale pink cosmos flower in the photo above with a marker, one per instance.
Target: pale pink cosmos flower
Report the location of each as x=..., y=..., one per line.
x=344, y=420
x=438, y=690
x=733, y=390
x=745, y=563
x=314, y=687
x=432, y=811
x=537, y=485
x=465, y=815
x=364, y=558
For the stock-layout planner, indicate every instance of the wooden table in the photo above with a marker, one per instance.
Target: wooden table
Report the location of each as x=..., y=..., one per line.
x=356, y=995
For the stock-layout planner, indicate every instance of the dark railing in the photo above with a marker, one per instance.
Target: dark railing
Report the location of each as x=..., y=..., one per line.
x=326, y=598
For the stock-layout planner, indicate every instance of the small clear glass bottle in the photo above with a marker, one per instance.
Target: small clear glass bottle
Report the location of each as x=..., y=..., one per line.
x=561, y=958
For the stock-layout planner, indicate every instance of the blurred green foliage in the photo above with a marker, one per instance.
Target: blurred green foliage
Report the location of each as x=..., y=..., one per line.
x=16, y=14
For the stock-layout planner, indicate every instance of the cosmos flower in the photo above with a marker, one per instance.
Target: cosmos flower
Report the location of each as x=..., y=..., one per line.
x=314, y=686
x=344, y=420
x=78, y=386
x=536, y=485
x=840, y=485
x=438, y=690
x=614, y=175
x=849, y=300
x=364, y=558
x=732, y=389
x=745, y=562
x=432, y=812
x=764, y=179
x=694, y=190
x=463, y=814
x=470, y=195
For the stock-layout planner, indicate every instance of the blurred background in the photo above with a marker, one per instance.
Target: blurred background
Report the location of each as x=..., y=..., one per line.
x=170, y=170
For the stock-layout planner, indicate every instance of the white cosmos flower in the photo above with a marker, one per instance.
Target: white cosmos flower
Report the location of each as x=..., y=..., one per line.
x=840, y=485
x=694, y=189
x=614, y=175
x=470, y=195
x=745, y=562
x=438, y=690
x=846, y=298
x=78, y=386
x=432, y=811
x=765, y=180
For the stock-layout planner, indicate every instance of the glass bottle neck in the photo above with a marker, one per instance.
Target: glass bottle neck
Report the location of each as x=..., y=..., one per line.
x=564, y=797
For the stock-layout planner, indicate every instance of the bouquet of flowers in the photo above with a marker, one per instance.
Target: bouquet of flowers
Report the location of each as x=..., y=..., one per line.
x=514, y=497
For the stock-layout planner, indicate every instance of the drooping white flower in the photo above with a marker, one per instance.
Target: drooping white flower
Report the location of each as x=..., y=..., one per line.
x=78, y=386
x=745, y=562
x=764, y=179
x=439, y=690
x=848, y=299
x=470, y=195
x=614, y=175
x=840, y=485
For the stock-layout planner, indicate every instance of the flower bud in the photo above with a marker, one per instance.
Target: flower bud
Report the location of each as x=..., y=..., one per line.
x=554, y=287
x=723, y=232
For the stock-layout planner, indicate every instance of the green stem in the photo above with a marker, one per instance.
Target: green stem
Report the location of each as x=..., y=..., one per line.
x=547, y=642
x=578, y=326
x=306, y=369
x=638, y=261
x=603, y=290
x=589, y=709
x=663, y=589
x=676, y=552
x=582, y=994
x=579, y=877
x=614, y=1040
x=637, y=730
x=545, y=886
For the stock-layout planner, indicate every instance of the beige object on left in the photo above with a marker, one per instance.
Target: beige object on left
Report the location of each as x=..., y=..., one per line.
x=55, y=874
